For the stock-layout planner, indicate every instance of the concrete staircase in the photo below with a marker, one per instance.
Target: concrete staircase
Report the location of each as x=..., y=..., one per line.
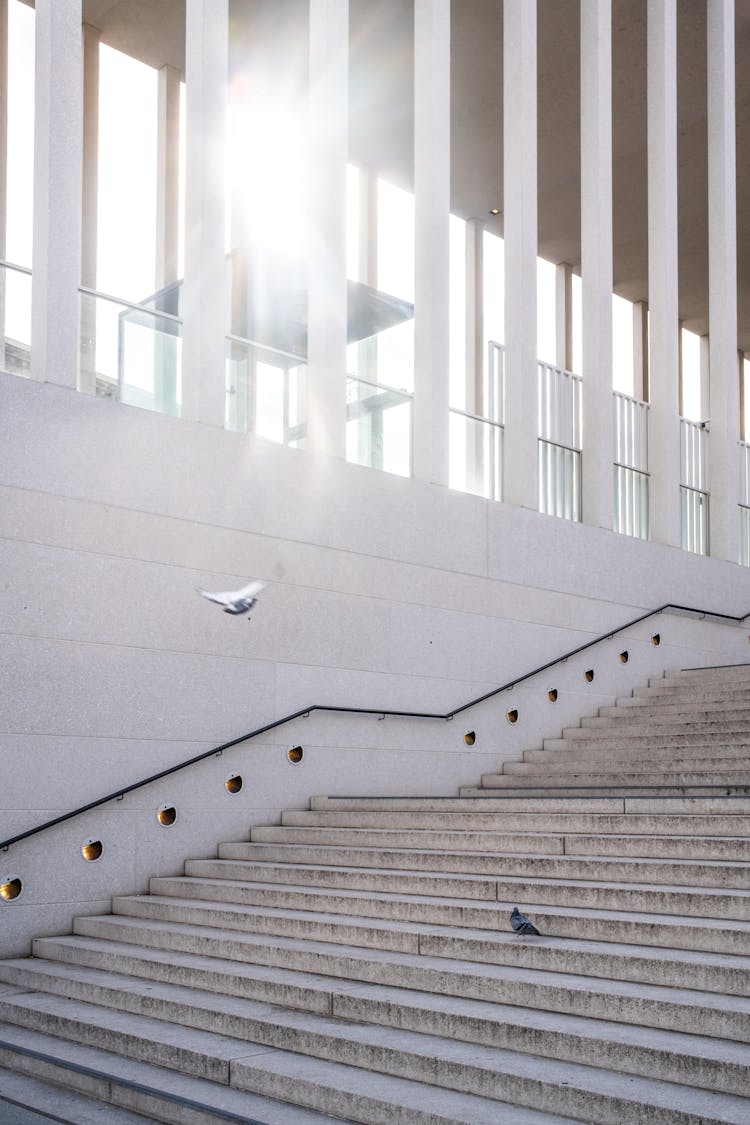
x=357, y=962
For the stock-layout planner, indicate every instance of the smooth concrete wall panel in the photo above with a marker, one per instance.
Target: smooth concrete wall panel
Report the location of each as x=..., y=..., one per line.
x=108, y=690
x=546, y=552
x=121, y=455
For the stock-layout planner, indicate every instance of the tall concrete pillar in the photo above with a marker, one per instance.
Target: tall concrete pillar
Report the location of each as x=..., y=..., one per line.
x=596, y=261
x=327, y=291
x=521, y=469
x=167, y=176
x=56, y=249
x=664, y=361
x=368, y=262
x=641, y=379
x=3, y=164
x=722, y=281
x=564, y=317
x=431, y=237
x=89, y=214
x=205, y=288
x=475, y=357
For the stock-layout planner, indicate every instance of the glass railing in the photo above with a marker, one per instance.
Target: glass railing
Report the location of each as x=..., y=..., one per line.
x=130, y=352
x=476, y=455
x=266, y=392
x=631, y=515
x=15, y=318
x=695, y=514
x=378, y=426
x=559, y=481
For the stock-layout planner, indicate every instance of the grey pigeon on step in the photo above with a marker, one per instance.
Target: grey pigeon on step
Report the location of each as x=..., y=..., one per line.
x=236, y=601
x=521, y=924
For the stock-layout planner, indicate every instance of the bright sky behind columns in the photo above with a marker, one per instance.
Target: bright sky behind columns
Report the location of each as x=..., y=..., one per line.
x=127, y=218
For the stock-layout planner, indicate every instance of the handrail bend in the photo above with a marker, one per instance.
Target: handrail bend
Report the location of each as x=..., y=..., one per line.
x=118, y=794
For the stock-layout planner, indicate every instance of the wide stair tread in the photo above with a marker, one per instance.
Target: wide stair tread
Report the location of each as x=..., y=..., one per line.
x=264, y=1035
x=367, y=919
x=295, y=971
x=157, y=1092
x=373, y=863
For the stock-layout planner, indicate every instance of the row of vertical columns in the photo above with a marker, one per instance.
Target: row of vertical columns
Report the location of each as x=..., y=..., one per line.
x=664, y=421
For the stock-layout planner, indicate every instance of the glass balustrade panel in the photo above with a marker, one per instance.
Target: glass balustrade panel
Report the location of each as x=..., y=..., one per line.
x=378, y=427
x=15, y=309
x=475, y=456
x=130, y=353
x=266, y=392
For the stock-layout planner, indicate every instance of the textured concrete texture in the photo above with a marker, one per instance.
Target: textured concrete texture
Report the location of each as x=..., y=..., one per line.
x=357, y=960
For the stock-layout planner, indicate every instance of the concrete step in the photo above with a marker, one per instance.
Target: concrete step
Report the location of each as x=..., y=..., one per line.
x=631, y=777
x=150, y=1092
x=402, y=866
x=395, y=922
x=601, y=763
x=29, y=1101
x=721, y=673
x=487, y=802
x=682, y=703
x=720, y=972
x=642, y=824
x=606, y=736
x=369, y=1024
x=576, y=894
x=229, y=963
x=655, y=726
x=711, y=693
x=452, y=1071
x=362, y=1095
x=566, y=789
x=681, y=711
x=622, y=750
x=717, y=848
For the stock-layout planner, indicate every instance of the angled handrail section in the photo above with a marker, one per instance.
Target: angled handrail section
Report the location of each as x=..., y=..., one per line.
x=118, y=794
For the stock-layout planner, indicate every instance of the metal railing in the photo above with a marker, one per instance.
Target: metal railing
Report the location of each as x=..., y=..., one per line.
x=122, y=791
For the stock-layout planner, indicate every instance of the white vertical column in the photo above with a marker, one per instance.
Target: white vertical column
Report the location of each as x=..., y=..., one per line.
x=596, y=260
x=167, y=176
x=704, y=358
x=664, y=411
x=327, y=290
x=431, y=237
x=367, y=352
x=89, y=214
x=205, y=319
x=475, y=357
x=3, y=164
x=56, y=250
x=722, y=280
x=564, y=316
x=641, y=383
x=521, y=470
x=91, y=39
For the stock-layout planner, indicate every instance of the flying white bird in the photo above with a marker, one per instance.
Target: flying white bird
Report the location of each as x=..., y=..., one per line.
x=236, y=601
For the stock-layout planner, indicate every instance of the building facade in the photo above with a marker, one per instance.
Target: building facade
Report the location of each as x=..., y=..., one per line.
x=331, y=380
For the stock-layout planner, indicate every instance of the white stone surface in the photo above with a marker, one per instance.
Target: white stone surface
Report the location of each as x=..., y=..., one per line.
x=383, y=593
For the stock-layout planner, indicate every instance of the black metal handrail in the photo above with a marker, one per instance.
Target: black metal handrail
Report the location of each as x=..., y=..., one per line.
x=118, y=794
